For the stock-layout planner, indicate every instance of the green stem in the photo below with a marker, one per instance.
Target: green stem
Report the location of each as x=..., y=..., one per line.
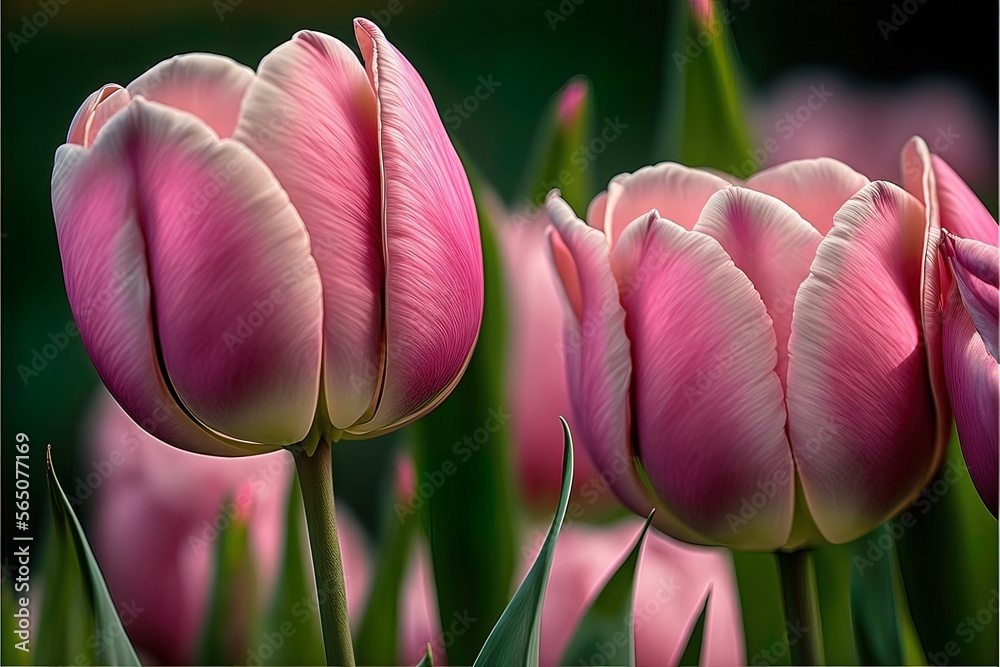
x=801, y=598
x=316, y=477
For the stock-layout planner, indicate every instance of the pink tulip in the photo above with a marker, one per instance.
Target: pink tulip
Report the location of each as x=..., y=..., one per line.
x=765, y=356
x=259, y=260
x=157, y=517
x=673, y=582
x=972, y=304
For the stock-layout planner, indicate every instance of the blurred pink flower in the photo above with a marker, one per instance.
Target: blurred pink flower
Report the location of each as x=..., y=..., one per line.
x=864, y=125
x=240, y=246
x=536, y=383
x=673, y=582
x=158, y=512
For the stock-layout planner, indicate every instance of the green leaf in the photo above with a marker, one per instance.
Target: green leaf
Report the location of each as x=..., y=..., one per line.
x=692, y=652
x=461, y=452
x=702, y=124
x=293, y=619
x=513, y=642
x=231, y=616
x=428, y=659
x=609, y=619
x=375, y=643
x=947, y=548
x=556, y=155
x=79, y=623
x=760, y=601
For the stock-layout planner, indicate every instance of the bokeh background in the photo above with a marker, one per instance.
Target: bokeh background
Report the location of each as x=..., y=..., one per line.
x=932, y=71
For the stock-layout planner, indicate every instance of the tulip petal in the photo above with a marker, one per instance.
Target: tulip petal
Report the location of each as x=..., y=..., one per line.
x=434, y=265
x=710, y=418
x=596, y=349
x=677, y=192
x=976, y=267
x=310, y=115
x=95, y=111
x=929, y=178
x=815, y=188
x=209, y=86
x=159, y=212
x=973, y=379
x=861, y=412
x=770, y=243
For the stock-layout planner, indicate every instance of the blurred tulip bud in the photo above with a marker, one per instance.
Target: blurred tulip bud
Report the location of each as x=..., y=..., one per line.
x=256, y=260
x=157, y=518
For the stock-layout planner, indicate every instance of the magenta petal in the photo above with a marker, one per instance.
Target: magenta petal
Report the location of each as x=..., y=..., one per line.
x=163, y=211
x=976, y=267
x=210, y=87
x=677, y=192
x=973, y=378
x=434, y=266
x=598, y=366
x=310, y=115
x=770, y=243
x=815, y=188
x=95, y=111
x=709, y=407
x=861, y=410
x=962, y=212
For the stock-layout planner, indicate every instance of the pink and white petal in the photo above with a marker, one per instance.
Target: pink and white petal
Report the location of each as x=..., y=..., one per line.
x=107, y=283
x=771, y=244
x=962, y=212
x=976, y=267
x=973, y=378
x=815, y=188
x=708, y=405
x=677, y=192
x=598, y=365
x=434, y=264
x=596, y=211
x=861, y=411
x=310, y=115
x=920, y=181
x=237, y=296
x=209, y=86
x=87, y=122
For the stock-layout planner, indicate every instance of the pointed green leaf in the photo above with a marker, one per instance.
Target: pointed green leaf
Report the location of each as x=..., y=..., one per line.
x=375, y=643
x=513, y=642
x=293, y=613
x=79, y=621
x=231, y=616
x=946, y=543
x=702, y=124
x=461, y=452
x=428, y=659
x=609, y=619
x=692, y=652
x=557, y=155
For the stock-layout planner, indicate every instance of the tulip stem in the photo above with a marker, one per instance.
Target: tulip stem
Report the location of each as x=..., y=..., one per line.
x=316, y=477
x=801, y=599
